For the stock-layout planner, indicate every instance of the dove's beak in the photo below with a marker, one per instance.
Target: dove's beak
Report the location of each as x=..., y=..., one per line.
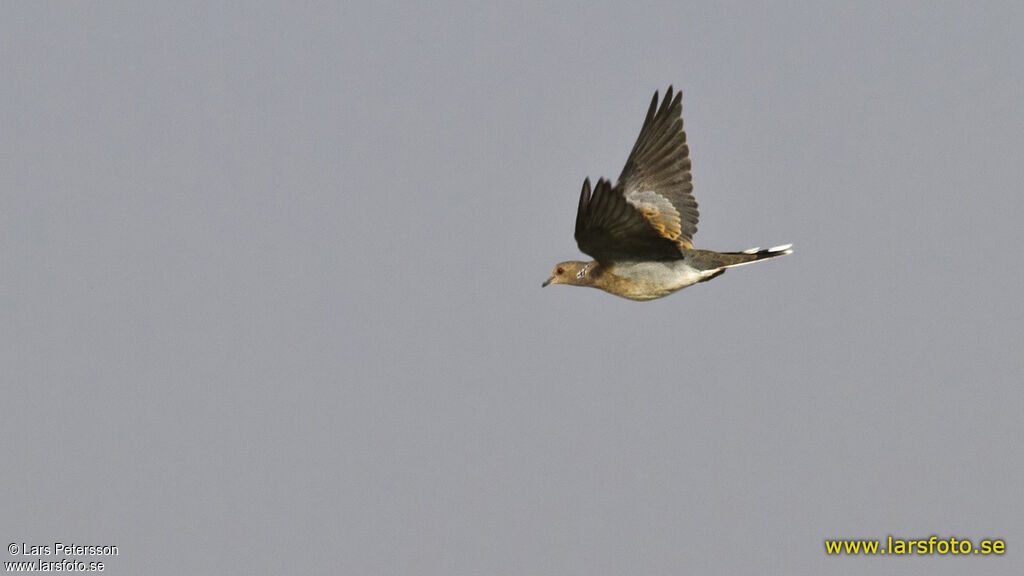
x=546, y=282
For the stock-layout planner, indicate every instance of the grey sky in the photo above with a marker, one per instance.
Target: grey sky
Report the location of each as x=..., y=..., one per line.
x=270, y=288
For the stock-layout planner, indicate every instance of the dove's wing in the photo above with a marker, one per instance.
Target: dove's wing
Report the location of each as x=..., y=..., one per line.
x=650, y=213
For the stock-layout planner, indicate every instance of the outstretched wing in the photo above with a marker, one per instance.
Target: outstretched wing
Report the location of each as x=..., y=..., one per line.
x=650, y=213
x=657, y=177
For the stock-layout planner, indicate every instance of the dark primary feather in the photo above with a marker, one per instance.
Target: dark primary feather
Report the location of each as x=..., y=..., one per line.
x=651, y=212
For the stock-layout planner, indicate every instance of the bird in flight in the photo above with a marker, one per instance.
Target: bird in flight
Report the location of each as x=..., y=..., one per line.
x=640, y=231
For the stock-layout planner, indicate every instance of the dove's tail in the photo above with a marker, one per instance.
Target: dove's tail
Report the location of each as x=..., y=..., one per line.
x=719, y=261
x=755, y=254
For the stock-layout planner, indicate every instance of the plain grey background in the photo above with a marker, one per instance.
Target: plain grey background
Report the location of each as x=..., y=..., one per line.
x=270, y=287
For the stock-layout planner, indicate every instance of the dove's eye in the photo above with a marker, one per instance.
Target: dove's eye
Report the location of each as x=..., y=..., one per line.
x=560, y=270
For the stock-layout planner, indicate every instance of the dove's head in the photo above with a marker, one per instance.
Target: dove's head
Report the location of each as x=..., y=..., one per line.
x=572, y=272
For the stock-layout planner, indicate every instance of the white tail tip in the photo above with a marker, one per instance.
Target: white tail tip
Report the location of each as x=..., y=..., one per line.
x=787, y=248
x=753, y=250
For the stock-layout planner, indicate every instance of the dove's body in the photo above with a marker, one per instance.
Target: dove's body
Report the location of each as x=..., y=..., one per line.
x=640, y=231
x=647, y=280
x=634, y=280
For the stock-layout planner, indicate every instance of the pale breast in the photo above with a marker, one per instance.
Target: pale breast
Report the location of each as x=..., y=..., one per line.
x=648, y=280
